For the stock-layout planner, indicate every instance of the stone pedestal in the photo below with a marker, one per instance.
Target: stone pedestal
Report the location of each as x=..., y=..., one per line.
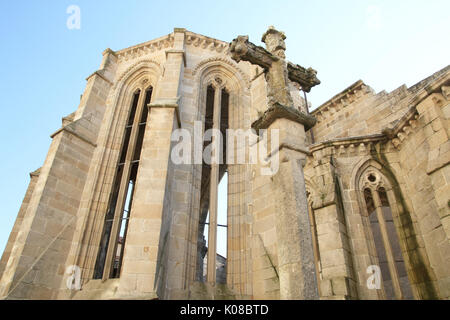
x=296, y=267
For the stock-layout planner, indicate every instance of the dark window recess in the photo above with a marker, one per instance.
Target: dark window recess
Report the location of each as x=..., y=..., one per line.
x=109, y=218
x=123, y=224
x=202, y=247
x=129, y=127
x=394, y=243
x=400, y=266
x=379, y=247
x=142, y=126
x=132, y=164
x=133, y=108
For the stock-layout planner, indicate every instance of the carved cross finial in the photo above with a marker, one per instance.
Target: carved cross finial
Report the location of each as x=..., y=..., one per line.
x=278, y=72
x=274, y=41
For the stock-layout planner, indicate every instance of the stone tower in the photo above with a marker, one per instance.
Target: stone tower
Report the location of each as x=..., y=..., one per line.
x=348, y=202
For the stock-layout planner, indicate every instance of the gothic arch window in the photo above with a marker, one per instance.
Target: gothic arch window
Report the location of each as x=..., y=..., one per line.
x=378, y=200
x=225, y=85
x=211, y=266
x=112, y=243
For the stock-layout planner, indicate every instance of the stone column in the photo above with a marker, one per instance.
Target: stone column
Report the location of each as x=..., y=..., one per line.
x=296, y=266
x=434, y=216
x=335, y=255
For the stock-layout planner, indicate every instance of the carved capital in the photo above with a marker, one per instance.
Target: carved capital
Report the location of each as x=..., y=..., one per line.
x=278, y=111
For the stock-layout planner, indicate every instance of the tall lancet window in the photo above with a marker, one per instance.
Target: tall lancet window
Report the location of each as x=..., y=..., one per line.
x=213, y=224
x=112, y=244
x=395, y=279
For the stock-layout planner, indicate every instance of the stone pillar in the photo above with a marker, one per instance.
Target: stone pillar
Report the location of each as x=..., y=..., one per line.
x=93, y=100
x=147, y=265
x=296, y=266
x=335, y=254
x=36, y=265
x=434, y=113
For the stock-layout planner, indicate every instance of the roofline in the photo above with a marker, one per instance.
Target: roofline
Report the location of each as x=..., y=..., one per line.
x=169, y=37
x=335, y=99
x=165, y=37
x=358, y=84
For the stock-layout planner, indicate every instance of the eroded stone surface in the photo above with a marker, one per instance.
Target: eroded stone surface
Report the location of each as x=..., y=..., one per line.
x=302, y=233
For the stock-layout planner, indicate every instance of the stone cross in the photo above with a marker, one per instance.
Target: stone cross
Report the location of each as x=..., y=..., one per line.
x=277, y=70
x=296, y=266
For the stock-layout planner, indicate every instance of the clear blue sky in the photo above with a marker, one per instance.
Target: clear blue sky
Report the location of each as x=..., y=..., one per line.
x=44, y=64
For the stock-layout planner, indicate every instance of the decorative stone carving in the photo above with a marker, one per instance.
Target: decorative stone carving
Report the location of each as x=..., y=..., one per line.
x=373, y=180
x=273, y=62
x=402, y=128
x=144, y=48
x=280, y=111
x=222, y=60
x=142, y=63
x=205, y=42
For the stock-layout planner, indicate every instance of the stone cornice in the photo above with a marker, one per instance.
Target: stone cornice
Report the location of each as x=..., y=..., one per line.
x=279, y=111
x=398, y=131
x=100, y=74
x=80, y=129
x=347, y=146
x=167, y=42
x=204, y=42
x=76, y=134
x=146, y=47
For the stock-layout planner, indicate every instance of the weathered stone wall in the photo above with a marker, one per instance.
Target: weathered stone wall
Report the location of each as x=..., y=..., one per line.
x=359, y=111
x=400, y=146
x=403, y=135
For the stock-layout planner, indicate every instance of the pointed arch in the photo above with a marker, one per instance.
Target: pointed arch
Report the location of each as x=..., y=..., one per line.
x=141, y=76
x=214, y=77
x=226, y=65
x=390, y=234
